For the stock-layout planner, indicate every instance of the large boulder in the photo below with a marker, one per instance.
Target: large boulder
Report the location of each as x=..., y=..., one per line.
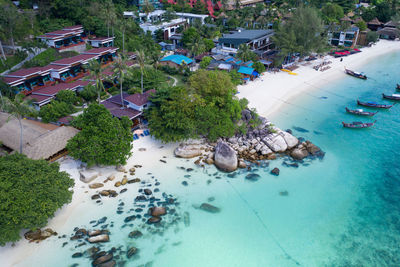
x=299, y=153
x=275, y=142
x=87, y=176
x=209, y=208
x=188, y=151
x=225, y=157
x=290, y=140
x=99, y=238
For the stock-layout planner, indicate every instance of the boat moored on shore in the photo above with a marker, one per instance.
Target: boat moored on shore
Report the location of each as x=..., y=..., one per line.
x=358, y=124
x=355, y=74
x=392, y=96
x=360, y=112
x=374, y=104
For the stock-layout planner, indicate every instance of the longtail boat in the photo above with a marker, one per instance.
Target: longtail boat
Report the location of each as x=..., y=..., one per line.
x=361, y=112
x=355, y=74
x=398, y=87
x=392, y=97
x=358, y=125
x=374, y=105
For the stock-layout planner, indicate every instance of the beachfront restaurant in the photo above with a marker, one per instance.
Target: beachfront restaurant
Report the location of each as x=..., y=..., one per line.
x=64, y=38
x=248, y=73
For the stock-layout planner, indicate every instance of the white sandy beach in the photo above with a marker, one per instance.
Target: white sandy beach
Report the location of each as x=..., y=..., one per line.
x=270, y=92
x=267, y=94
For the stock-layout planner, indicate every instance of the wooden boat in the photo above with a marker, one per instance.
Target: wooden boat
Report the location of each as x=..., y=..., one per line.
x=358, y=125
x=374, y=105
x=391, y=97
x=360, y=112
x=355, y=74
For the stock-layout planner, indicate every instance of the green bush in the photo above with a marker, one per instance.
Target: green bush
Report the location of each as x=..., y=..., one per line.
x=32, y=191
x=55, y=110
x=13, y=60
x=48, y=56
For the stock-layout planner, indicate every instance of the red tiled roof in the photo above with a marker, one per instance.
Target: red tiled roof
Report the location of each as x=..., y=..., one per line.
x=118, y=111
x=140, y=99
x=102, y=39
x=72, y=60
x=65, y=120
x=101, y=50
x=25, y=72
x=10, y=80
x=39, y=98
x=54, y=89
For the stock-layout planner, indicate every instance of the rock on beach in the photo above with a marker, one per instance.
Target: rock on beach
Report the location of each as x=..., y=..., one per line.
x=225, y=157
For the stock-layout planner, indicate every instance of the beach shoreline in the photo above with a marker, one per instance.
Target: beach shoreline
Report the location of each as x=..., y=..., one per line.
x=268, y=94
x=272, y=91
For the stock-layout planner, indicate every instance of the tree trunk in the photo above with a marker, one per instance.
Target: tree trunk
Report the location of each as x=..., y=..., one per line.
x=12, y=41
x=2, y=51
x=108, y=30
x=123, y=41
x=122, y=98
x=20, y=136
x=2, y=101
x=141, y=79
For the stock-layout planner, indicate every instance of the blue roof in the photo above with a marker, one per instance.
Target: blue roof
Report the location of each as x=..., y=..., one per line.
x=177, y=59
x=246, y=70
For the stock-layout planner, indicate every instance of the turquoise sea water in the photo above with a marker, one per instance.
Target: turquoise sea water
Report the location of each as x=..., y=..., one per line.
x=343, y=210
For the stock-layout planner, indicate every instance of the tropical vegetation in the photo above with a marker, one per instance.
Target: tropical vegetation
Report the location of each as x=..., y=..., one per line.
x=32, y=191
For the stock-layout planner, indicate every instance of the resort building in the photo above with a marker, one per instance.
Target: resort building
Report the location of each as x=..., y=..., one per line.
x=176, y=61
x=347, y=38
x=248, y=73
x=258, y=40
x=169, y=28
x=233, y=4
x=374, y=24
x=101, y=42
x=133, y=105
x=63, y=70
x=67, y=39
x=41, y=140
x=44, y=95
x=389, y=31
x=192, y=18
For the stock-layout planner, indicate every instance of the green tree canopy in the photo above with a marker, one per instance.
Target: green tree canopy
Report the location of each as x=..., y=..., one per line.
x=303, y=33
x=67, y=96
x=259, y=67
x=103, y=139
x=333, y=12
x=189, y=36
x=205, y=62
x=32, y=190
x=171, y=115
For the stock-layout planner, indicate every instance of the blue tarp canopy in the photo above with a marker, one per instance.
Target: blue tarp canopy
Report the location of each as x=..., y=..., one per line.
x=246, y=70
x=178, y=59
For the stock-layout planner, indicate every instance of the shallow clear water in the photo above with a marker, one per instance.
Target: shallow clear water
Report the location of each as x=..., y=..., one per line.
x=341, y=211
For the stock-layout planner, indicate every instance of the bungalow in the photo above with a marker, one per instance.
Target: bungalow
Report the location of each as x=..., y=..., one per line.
x=374, y=24
x=257, y=40
x=389, y=33
x=346, y=38
x=102, y=42
x=41, y=140
x=44, y=95
x=248, y=73
x=69, y=38
x=133, y=105
x=63, y=70
x=176, y=61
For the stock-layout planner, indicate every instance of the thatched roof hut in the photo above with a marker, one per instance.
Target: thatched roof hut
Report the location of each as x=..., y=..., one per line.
x=389, y=33
x=40, y=140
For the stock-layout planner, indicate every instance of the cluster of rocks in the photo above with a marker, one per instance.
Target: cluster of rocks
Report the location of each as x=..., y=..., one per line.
x=263, y=142
x=39, y=235
x=93, y=236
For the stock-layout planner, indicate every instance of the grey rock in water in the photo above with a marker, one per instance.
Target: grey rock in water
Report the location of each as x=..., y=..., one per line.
x=188, y=151
x=209, y=208
x=252, y=177
x=275, y=142
x=290, y=140
x=87, y=176
x=99, y=238
x=131, y=251
x=225, y=157
x=102, y=259
x=299, y=153
x=275, y=171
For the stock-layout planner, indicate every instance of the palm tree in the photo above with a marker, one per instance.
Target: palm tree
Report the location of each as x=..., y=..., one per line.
x=156, y=57
x=109, y=15
x=124, y=25
x=120, y=68
x=19, y=108
x=244, y=53
x=141, y=59
x=96, y=73
x=197, y=47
